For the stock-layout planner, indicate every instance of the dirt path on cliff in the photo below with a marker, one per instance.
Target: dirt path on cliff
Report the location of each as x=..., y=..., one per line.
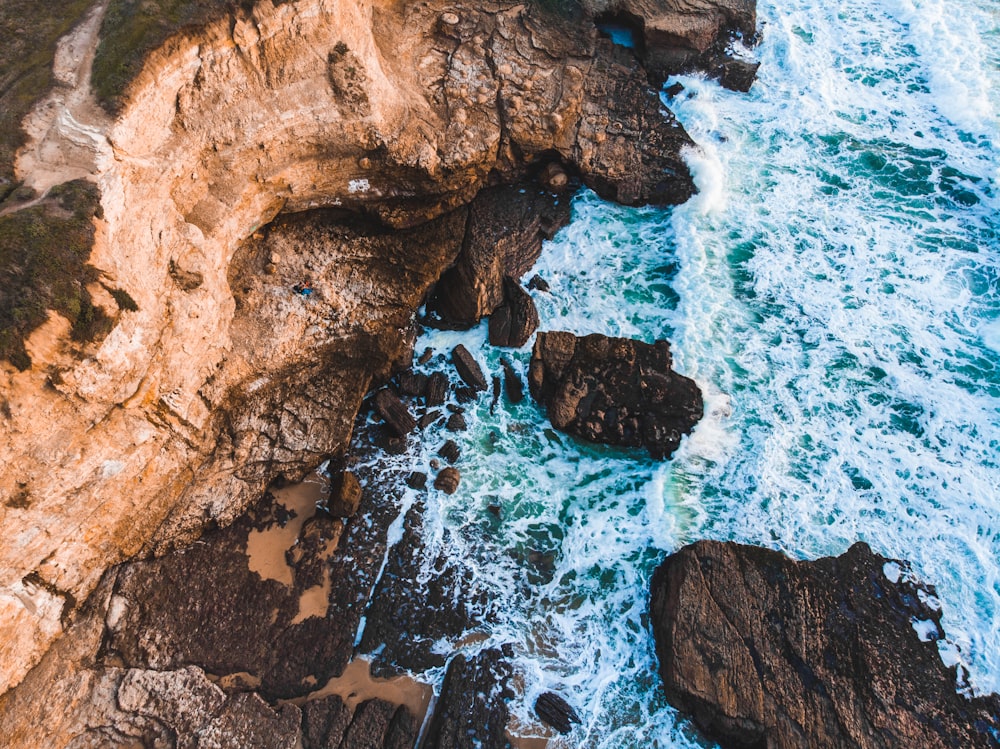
x=67, y=130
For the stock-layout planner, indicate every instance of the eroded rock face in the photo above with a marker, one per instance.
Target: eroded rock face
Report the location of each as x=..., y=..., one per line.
x=680, y=35
x=765, y=651
x=472, y=712
x=614, y=391
x=223, y=378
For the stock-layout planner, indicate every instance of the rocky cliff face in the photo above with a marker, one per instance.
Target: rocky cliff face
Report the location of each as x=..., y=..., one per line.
x=393, y=114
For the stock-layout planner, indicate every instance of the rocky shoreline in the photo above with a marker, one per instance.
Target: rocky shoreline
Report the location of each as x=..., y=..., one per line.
x=173, y=633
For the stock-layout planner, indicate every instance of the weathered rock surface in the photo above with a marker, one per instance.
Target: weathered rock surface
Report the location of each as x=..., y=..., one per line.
x=503, y=239
x=553, y=710
x=224, y=378
x=680, y=35
x=397, y=416
x=614, y=391
x=766, y=651
x=516, y=320
x=345, y=495
x=468, y=368
x=471, y=712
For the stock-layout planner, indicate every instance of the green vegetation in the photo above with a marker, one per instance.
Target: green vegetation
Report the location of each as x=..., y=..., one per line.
x=43, y=265
x=134, y=28
x=29, y=31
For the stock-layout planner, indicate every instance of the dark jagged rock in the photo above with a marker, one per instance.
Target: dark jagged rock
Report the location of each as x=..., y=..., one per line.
x=324, y=722
x=465, y=394
x=514, y=321
x=471, y=712
x=614, y=391
x=449, y=451
x=428, y=418
x=417, y=480
x=504, y=238
x=468, y=368
x=403, y=730
x=674, y=90
x=537, y=283
x=737, y=74
x=437, y=389
x=204, y=606
x=456, y=423
x=395, y=413
x=448, y=480
x=345, y=495
x=512, y=383
x=766, y=651
x=554, y=711
x=308, y=556
x=412, y=383
x=411, y=613
x=681, y=36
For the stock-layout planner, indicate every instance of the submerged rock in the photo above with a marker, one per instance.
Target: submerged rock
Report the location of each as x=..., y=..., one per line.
x=766, y=651
x=614, y=391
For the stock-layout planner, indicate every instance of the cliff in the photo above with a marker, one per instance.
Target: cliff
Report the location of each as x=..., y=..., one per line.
x=391, y=115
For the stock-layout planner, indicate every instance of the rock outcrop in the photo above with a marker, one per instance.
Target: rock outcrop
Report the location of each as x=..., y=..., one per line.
x=766, y=651
x=223, y=378
x=614, y=391
x=516, y=320
x=678, y=36
x=472, y=711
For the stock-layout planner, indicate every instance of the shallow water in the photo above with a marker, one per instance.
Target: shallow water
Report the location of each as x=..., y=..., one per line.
x=835, y=291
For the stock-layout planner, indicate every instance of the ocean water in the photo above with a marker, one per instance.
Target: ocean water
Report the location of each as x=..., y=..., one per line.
x=835, y=290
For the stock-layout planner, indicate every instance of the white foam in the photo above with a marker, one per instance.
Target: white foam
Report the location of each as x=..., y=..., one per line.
x=926, y=630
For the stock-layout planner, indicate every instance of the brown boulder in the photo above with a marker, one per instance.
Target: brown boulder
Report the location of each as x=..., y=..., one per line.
x=766, y=651
x=345, y=495
x=614, y=391
x=397, y=416
x=514, y=321
x=448, y=480
x=468, y=368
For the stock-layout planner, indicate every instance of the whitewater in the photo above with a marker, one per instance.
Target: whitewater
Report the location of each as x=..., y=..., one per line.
x=834, y=288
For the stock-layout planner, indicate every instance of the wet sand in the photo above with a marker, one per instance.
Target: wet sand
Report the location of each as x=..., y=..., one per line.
x=357, y=684
x=266, y=549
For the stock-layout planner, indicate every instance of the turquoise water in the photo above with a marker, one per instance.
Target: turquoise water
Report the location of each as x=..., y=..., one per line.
x=835, y=291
